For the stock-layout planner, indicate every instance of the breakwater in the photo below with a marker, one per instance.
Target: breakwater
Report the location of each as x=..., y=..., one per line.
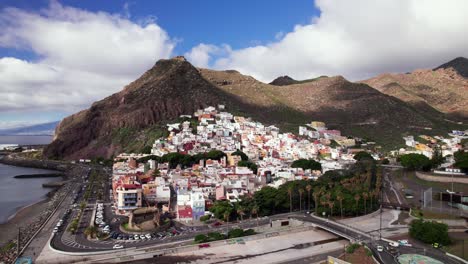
x=14, y=160
x=42, y=175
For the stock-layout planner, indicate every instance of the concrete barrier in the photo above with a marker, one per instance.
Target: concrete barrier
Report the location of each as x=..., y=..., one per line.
x=428, y=177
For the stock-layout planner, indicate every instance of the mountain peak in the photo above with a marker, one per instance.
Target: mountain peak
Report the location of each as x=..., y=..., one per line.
x=283, y=80
x=459, y=64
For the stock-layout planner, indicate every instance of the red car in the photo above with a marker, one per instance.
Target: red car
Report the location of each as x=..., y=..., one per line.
x=204, y=246
x=217, y=224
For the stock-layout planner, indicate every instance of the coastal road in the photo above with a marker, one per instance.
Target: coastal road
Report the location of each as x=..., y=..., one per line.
x=43, y=236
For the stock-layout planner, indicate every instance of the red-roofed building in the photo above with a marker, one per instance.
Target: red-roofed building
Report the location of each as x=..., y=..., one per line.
x=184, y=213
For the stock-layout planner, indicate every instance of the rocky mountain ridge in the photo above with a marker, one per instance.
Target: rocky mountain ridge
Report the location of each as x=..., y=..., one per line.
x=134, y=117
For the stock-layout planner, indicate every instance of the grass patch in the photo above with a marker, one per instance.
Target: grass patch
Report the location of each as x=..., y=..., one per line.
x=432, y=215
x=7, y=247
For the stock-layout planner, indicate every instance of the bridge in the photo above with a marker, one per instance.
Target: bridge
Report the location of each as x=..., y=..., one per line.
x=350, y=233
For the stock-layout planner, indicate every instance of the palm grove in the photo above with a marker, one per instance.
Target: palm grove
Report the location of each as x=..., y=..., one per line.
x=336, y=193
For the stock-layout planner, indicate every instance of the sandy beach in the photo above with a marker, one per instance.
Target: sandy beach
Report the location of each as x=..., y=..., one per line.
x=23, y=218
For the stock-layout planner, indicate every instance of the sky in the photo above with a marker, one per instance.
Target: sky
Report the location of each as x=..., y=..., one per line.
x=57, y=57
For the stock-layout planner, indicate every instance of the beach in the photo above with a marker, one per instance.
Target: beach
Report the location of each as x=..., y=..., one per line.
x=23, y=218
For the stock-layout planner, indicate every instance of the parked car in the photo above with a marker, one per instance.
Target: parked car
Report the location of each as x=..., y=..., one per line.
x=137, y=237
x=117, y=246
x=142, y=237
x=379, y=248
x=148, y=236
x=204, y=246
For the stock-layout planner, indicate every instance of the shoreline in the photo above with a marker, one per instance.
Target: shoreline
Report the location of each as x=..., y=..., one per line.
x=20, y=209
x=23, y=217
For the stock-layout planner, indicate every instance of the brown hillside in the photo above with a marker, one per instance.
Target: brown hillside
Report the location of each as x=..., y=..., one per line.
x=133, y=118
x=443, y=89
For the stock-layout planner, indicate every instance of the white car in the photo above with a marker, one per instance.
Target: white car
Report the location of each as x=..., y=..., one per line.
x=117, y=246
x=142, y=237
x=148, y=236
x=136, y=237
x=393, y=244
x=379, y=248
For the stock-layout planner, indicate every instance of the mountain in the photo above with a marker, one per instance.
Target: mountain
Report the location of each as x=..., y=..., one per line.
x=136, y=116
x=33, y=130
x=283, y=80
x=460, y=65
x=444, y=88
x=286, y=80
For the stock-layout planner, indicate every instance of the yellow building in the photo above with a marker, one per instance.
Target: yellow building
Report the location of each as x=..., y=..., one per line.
x=317, y=124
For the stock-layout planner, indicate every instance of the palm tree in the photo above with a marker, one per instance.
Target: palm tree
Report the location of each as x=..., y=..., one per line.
x=365, y=195
x=241, y=212
x=340, y=198
x=301, y=191
x=356, y=198
x=308, y=188
x=255, y=210
x=290, y=190
x=91, y=231
x=316, y=198
x=331, y=204
x=226, y=215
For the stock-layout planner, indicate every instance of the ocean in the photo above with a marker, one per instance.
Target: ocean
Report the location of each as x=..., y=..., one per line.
x=18, y=193
x=25, y=140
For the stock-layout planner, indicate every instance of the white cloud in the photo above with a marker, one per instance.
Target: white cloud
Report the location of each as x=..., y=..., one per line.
x=83, y=56
x=202, y=54
x=359, y=39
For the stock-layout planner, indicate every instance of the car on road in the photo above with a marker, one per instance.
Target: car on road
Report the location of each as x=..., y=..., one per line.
x=379, y=248
x=393, y=244
x=204, y=246
x=403, y=242
x=117, y=246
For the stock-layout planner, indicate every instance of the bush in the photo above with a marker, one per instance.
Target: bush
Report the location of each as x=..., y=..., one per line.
x=205, y=218
x=429, y=232
x=351, y=248
x=249, y=232
x=201, y=238
x=216, y=236
x=237, y=232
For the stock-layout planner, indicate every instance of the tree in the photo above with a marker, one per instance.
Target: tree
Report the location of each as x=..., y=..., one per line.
x=243, y=156
x=415, y=161
x=429, y=232
x=248, y=164
x=357, y=197
x=340, y=198
x=331, y=204
x=301, y=191
x=461, y=160
x=362, y=155
x=317, y=194
x=308, y=188
x=437, y=157
x=146, y=150
x=290, y=191
x=307, y=164
x=365, y=195
x=91, y=231
x=241, y=212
